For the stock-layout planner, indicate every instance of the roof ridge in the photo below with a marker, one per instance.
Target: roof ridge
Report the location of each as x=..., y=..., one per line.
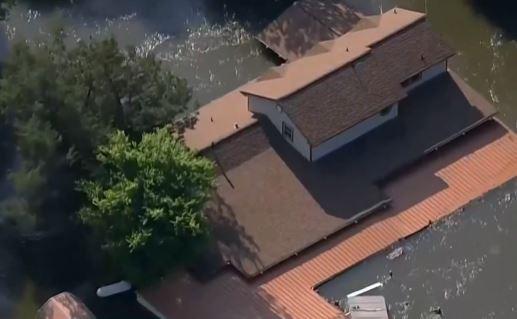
x=365, y=39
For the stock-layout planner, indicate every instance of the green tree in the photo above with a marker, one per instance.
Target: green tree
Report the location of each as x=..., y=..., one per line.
x=146, y=204
x=64, y=101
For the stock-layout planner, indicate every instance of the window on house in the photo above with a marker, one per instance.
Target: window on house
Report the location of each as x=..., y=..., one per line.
x=287, y=131
x=386, y=111
x=415, y=78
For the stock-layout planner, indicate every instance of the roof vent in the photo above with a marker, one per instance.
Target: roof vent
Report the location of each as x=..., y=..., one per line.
x=236, y=126
x=211, y=119
x=422, y=57
x=395, y=10
x=347, y=49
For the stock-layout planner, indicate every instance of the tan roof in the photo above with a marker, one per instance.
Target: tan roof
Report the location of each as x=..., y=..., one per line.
x=341, y=51
x=469, y=171
x=252, y=217
x=300, y=73
x=218, y=120
x=356, y=92
x=64, y=306
x=271, y=184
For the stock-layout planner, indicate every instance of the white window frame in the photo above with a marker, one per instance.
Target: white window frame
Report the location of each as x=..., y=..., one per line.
x=287, y=131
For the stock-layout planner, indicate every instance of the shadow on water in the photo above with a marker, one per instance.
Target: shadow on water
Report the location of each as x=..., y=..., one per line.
x=7, y=148
x=255, y=14
x=500, y=13
x=175, y=15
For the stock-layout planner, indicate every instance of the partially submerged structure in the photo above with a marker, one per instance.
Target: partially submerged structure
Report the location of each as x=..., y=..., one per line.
x=306, y=23
x=285, y=149
x=308, y=148
x=64, y=306
x=352, y=85
x=366, y=307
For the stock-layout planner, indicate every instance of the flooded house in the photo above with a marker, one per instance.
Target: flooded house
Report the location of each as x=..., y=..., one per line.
x=366, y=121
x=64, y=306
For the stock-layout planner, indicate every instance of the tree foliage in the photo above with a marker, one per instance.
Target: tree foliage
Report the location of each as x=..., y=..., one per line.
x=64, y=101
x=147, y=202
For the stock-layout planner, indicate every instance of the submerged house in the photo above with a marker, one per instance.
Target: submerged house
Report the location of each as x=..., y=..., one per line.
x=305, y=150
x=348, y=86
x=64, y=306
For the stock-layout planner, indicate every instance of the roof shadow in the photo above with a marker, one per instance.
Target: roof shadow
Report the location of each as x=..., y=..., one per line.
x=420, y=180
x=344, y=183
x=232, y=240
x=306, y=23
x=339, y=188
x=407, y=187
x=7, y=149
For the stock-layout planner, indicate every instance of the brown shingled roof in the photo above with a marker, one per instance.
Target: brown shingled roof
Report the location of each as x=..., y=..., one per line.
x=216, y=120
x=306, y=23
x=278, y=203
x=468, y=168
x=342, y=99
x=340, y=52
x=365, y=87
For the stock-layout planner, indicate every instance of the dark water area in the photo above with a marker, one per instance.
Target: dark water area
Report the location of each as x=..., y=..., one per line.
x=465, y=264
x=484, y=35
x=487, y=49
x=211, y=44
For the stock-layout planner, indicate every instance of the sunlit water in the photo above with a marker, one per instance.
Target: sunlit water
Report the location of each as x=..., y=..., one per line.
x=214, y=57
x=485, y=40
x=213, y=48
x=465, y=264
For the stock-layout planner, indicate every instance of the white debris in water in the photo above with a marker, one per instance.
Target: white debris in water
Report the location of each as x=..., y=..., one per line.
x=10, y=30
x=208, y=38
x=397, y=252
x=496, y=40
x=493, y=96
x=32, y=15
x=446, y=294
x=128, y=17
x=150, y=43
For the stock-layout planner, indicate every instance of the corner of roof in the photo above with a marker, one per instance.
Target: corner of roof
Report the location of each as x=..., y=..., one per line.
x=249, y=93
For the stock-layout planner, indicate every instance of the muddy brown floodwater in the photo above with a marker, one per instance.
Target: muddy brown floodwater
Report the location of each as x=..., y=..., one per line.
x=464, y=265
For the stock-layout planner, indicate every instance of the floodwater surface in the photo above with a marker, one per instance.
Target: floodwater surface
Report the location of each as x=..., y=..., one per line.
x=211, y=44
x=202, y=41
x=465, y=264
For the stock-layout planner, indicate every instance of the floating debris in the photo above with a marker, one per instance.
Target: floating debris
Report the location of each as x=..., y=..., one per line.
x=435, y=312
x=395, y=253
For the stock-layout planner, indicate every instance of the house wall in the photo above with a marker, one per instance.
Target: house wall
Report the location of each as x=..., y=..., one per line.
x=352, y=133
x=429, y=74
x=276, y=116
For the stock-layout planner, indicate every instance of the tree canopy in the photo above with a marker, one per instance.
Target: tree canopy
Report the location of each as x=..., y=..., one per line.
x=64, y=101
x=147, y=202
